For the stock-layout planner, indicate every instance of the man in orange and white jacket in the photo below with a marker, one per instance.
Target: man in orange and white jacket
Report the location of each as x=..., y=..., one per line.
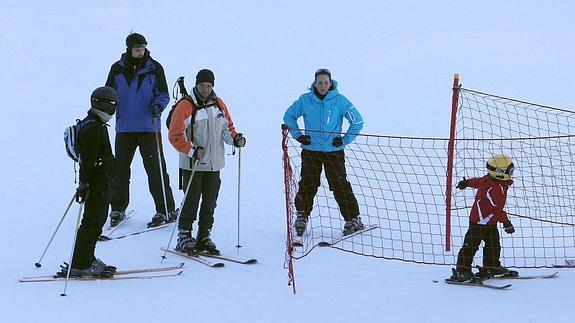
x=200, y=125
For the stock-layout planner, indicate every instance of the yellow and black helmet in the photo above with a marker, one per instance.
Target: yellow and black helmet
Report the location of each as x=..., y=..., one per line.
x=500, y=167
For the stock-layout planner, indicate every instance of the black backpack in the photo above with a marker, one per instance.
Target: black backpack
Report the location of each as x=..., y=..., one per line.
x=185, y=96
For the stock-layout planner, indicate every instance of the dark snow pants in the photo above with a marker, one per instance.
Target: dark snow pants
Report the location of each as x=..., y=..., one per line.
x=93, y=219
x=205, y=185
x=312, y=163
x=491, y=250
x=126, y=144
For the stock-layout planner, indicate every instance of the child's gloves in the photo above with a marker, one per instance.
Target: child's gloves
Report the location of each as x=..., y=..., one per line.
x=462, y=184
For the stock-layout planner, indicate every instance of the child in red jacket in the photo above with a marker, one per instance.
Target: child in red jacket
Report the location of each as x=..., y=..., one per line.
x=486, y=212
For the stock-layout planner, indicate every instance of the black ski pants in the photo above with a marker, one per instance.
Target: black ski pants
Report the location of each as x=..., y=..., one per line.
x=205, y=185
x=126, y=144
x=312, y=163
x=491, y=250
x=93, y=219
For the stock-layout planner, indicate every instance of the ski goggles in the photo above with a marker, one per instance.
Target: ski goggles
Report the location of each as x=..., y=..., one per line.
x=509, y=171
x=103, y=100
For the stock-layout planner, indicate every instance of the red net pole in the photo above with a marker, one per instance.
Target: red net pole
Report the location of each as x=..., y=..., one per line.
x=450, y=149
x=288, y=178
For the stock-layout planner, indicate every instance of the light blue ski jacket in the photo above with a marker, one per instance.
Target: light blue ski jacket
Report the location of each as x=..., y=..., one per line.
x=326, y=117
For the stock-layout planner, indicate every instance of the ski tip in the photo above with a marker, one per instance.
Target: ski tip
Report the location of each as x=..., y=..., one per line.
x=323, y=244
x=218, y=265
x=251, y=261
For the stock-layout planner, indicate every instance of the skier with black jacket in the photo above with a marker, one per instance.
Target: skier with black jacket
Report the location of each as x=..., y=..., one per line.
x=96, y=172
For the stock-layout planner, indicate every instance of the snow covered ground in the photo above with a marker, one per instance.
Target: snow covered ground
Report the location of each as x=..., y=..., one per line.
x=394, y=60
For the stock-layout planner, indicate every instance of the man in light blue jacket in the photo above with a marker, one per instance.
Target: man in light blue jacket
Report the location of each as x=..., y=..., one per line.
x=323, y=110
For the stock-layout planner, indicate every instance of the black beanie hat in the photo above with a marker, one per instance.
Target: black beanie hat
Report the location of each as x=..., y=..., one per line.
x=205, y=75
x=135, y=39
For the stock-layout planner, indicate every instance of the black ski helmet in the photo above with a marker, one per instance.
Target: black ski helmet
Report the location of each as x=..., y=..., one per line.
x=104, y=99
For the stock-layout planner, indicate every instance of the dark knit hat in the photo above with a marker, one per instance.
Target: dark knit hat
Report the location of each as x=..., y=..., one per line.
x=135, y=39
x=205, y=75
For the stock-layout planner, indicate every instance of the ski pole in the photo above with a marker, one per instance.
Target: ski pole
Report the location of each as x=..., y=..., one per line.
x=181, y=207
x=239, y=184
x=161, y=170
x=39, y=263
x=73, y=248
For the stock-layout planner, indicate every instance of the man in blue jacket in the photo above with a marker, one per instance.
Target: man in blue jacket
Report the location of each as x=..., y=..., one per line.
x=323, y=110
x=143, y=91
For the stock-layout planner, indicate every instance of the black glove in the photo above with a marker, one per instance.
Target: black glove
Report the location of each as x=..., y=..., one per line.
x=304, y=140
x=508, y=227
x=337, y=141
x=239, y=140
x=155, y=110
x=198, y=152
x=463, y=184
x=82, y=192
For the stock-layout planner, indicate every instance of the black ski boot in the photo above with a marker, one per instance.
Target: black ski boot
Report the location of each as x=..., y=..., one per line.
x=116, y=217
x=107, y=267
x=157, y=220
x=97, y=269
x=300, y=224
x=499, y=272
x=464, y=276
x=352, y=225
x=205, y=244
x=186, y=243
x=160, y=218
x=173, y=215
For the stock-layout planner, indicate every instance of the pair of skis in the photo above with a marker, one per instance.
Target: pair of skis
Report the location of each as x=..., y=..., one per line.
x=205, y=260
x=297, y=242
x=492, y=286
x=170, y=271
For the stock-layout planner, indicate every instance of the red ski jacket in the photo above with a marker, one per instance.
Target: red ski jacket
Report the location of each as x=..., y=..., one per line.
x=489, y=200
